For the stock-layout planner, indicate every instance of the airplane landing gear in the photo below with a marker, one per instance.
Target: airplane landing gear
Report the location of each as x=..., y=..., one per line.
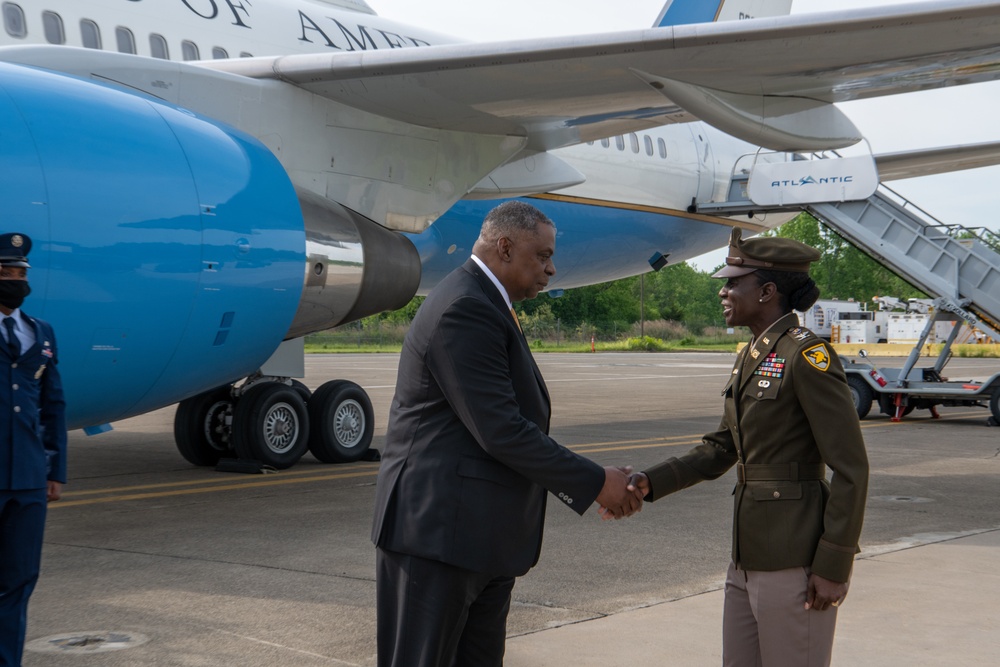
x=342, y=422
x=271, y=425
x=274, y=423
x=201, y=426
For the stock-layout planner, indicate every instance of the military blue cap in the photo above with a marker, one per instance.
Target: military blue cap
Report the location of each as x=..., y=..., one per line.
x=14, y=249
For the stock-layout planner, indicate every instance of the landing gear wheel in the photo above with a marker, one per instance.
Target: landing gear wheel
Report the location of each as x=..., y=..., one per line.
x=861, y=394
x=342, y=422
x=201, y=432
x=271, y=425
x=302, y=389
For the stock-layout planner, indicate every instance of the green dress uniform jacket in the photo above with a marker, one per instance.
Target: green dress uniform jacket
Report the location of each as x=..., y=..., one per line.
x=788, y=415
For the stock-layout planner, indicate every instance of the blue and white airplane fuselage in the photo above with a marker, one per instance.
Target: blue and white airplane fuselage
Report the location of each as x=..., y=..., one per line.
x=316, y=163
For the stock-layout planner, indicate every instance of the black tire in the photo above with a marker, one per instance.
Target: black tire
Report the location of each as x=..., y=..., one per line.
x=200, y=430
x=342, y=422
x=271, y=425
x=861, y=394
x=995, y=404
x=302, y=389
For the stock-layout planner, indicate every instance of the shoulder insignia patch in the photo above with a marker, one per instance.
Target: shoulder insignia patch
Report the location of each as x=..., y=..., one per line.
x=798, y=333
x=817, y=356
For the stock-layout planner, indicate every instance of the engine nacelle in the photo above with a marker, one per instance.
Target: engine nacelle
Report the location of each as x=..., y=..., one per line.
x=354, y=267
x=168, y=248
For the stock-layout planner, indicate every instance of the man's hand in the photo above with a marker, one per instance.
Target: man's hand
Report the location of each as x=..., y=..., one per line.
x=616, y=499
x=53, y=491
x=822, y=593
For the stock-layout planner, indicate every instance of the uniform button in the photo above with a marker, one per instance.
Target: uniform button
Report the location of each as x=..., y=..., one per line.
x=777, y=494
x=569, y=501
x=14, y=365
x=17, y=408
x=759, y=394
x=14, y=387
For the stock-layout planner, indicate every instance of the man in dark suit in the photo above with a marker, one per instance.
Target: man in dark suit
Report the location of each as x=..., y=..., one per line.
x=32, y=443
x=462, y=487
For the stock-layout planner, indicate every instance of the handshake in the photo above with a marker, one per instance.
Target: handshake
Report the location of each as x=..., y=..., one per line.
x=622, y=493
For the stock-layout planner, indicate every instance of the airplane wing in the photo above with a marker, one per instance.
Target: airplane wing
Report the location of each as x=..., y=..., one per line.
x=911, y=164
x=770, y=81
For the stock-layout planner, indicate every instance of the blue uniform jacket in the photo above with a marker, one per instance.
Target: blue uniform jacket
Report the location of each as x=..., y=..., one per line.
x=32, y=414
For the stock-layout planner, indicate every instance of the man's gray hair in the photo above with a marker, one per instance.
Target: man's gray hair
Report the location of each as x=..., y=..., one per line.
x=509, y=219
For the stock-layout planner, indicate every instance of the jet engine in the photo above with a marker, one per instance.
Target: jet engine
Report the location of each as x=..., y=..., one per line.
x=173, y=255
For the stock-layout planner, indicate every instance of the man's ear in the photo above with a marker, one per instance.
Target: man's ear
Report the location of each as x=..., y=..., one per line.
x=504, y=247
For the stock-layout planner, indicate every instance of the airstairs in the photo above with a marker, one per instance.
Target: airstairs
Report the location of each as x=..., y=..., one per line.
x=959, y=266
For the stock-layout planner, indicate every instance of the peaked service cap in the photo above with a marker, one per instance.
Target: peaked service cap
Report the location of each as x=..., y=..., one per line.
x=14, y=249
x=771, y=253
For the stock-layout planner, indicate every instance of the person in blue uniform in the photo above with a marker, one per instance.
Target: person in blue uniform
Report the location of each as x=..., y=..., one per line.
x=32, y=443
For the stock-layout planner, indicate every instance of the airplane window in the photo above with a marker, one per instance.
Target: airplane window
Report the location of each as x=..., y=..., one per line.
x=189, y=50
x=663, y=148
x=633, y=141
x=620, y=142
x=605, y=142
x=648, y=143
x=90, y=34
x=52, y=24
x=126, y=41
x=13, y=20
x=244, y=54
x=158, y=47
x=219, y=53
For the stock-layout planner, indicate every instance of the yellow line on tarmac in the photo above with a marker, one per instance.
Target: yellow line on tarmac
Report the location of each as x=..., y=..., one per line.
x=370, y=469
x=210, y=489
x=195, y=482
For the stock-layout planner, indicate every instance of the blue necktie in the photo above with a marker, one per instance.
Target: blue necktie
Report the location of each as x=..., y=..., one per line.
x=13, y=344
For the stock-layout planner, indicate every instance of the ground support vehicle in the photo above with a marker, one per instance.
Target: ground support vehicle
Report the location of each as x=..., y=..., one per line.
x=899, y=391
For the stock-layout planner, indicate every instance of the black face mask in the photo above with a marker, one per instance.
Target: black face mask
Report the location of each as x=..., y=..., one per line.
x=13, y=293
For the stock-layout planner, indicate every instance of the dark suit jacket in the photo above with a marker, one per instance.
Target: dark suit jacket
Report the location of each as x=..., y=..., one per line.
x=787, y=402
x=32, y=416
x=467, y=457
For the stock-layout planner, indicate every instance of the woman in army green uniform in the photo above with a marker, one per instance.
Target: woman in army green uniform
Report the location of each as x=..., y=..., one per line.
x=787, y=418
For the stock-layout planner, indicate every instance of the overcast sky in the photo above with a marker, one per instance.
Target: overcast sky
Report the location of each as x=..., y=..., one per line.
x=963, y=114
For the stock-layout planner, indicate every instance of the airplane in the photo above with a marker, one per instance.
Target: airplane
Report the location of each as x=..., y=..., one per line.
x=206, y=182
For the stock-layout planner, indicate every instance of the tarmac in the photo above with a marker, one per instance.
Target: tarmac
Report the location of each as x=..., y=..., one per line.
x=933, y=605
x=152, y=562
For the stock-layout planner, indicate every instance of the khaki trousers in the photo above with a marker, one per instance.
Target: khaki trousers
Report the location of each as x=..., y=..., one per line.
x=765, y=623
